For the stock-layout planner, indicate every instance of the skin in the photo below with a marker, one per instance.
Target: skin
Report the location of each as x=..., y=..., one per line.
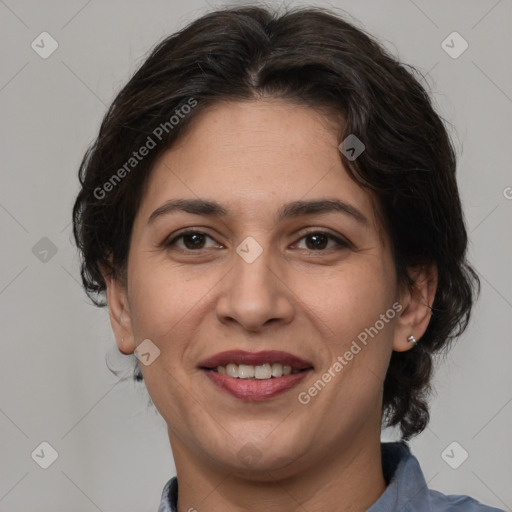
x=252, y=158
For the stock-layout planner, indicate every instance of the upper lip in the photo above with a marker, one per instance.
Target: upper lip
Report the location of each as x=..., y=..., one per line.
x=255, y=358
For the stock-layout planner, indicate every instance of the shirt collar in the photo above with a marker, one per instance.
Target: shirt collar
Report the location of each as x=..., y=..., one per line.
x=406, y=489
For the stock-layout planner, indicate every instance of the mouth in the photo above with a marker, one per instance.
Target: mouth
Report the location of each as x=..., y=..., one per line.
x=255, y=376
x=259, y=372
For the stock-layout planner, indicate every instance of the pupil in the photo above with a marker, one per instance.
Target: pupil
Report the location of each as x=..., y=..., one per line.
x=319, y=241
x=197, y=240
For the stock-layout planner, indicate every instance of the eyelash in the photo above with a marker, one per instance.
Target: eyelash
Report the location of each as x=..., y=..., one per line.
x=342, y=244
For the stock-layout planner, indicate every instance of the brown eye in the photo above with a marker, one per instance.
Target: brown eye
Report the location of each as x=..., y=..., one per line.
x=193, y=241
x=317, y=241
x=190, y=241
x=320, y=240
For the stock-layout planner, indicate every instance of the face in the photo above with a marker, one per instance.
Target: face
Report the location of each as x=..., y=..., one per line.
x=288, y=267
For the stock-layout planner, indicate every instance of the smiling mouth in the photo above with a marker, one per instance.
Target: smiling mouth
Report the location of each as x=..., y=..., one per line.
x=257, y=372
x=255, y=376
x=256, y=383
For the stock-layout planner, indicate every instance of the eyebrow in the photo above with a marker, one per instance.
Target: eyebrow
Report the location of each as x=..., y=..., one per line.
x=294, y=209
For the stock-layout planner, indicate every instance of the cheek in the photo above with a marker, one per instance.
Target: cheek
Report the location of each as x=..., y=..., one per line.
x=170, y=307
x=348, y=306
x=160, y=297
x=349, y=299
x=163, y=308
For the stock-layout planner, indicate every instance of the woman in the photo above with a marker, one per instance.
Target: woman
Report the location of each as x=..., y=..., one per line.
x=271, y=212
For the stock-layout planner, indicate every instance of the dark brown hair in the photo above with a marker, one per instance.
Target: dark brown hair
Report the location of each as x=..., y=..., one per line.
x=316, y=58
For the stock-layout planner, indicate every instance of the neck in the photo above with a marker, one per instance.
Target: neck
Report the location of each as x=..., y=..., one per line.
x=350, y=479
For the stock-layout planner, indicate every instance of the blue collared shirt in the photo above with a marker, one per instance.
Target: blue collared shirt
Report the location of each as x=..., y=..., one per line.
x=407, y=490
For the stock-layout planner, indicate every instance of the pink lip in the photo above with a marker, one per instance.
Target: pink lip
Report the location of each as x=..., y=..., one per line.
x=255, y=390
x=255, y=358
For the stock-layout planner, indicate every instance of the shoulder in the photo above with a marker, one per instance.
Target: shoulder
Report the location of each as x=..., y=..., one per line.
x=408, y=491
x=440, y=502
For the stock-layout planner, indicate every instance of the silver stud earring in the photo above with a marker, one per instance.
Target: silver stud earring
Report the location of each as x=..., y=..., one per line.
x=412, y=339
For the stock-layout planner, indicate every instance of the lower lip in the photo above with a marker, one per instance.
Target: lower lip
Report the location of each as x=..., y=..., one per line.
x=255, y=390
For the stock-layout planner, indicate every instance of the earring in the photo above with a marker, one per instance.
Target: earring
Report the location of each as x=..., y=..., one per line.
x=412, y=339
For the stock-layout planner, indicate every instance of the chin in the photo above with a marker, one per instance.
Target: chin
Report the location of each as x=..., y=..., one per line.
x=261, y=462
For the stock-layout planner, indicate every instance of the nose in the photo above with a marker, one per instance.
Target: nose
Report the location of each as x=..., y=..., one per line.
x=254, y=295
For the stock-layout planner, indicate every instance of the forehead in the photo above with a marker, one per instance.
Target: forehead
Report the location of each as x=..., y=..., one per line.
x=253, y=129
x=253, y=157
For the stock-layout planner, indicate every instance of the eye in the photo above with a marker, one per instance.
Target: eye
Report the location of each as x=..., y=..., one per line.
x=320, y=240
x=314, y=241
x=190, y=240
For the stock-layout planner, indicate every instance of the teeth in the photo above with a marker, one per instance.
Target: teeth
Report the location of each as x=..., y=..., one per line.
x=261, y=372
x=245, y=371
x=232, y=370
x=277, y=370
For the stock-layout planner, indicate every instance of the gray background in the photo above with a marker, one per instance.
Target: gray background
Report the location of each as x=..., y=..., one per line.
x=113, y=449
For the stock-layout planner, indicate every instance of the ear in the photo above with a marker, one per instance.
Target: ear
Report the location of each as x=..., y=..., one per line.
x=416, y=302
x=119, y=312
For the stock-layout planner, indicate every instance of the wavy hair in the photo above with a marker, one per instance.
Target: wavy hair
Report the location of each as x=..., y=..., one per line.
x=316, y=58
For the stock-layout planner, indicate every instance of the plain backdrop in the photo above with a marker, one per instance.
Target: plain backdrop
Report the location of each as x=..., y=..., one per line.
x=113, y=450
